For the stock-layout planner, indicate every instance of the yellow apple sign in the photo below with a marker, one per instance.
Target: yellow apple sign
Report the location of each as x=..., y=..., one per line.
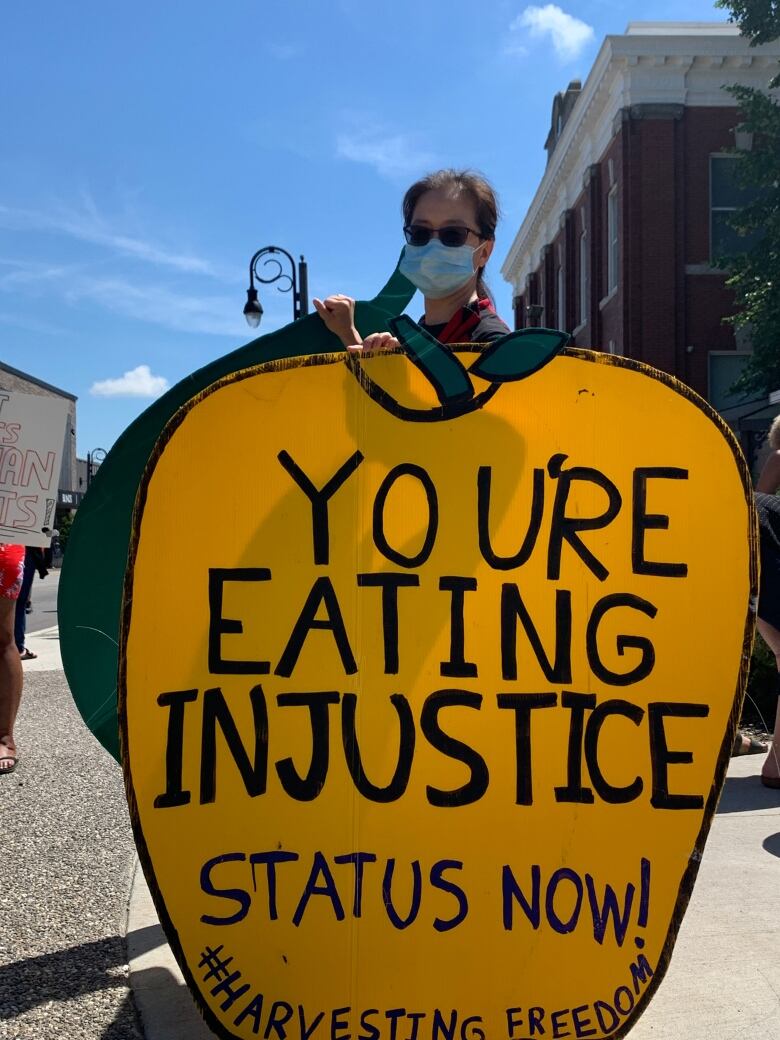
x=435, y=747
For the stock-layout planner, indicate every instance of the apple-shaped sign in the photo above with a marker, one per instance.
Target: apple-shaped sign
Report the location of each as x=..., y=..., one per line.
x=435, y=745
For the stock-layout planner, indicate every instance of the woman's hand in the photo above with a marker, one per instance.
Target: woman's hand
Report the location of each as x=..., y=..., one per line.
x=338, y=313
x=377, y=340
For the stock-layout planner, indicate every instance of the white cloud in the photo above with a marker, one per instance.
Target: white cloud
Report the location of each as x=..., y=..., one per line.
x=90, y=227
x=568, y=35
x=393, y=155
x=138, y=382
x=157, y=304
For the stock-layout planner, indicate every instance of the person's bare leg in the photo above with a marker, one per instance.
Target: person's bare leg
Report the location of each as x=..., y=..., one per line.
x=10, y=680
x=771, y=637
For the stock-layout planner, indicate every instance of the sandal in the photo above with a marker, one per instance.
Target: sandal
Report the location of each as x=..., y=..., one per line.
x=13, y=759
x=27, y=655
x=752, y=747
x=11, y=756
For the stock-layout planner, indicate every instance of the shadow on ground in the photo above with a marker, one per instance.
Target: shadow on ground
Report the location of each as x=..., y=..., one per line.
x=747, y=794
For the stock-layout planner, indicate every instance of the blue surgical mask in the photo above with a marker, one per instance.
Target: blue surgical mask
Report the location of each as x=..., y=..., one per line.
x=437, y=270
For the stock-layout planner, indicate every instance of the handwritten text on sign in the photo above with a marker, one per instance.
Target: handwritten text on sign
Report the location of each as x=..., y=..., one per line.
x=32, y=429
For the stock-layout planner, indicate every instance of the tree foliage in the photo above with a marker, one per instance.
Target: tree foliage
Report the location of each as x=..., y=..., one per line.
x=754, y=275
x=759, y=20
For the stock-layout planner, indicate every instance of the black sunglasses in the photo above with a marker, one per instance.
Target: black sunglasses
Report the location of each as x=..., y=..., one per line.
x=453, y=235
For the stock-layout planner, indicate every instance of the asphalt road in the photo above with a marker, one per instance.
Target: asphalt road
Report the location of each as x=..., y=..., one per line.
x=44, y=601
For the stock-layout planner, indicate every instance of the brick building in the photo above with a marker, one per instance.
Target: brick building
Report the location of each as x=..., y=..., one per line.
x=618, y=245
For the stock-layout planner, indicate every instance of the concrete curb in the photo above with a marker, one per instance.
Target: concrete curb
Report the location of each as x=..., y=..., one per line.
x=724, y=979
x=166, y=1009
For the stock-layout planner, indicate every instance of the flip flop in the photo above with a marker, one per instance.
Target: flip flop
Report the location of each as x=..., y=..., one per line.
x=13, y=759
x=754, y=747
x=27, y=655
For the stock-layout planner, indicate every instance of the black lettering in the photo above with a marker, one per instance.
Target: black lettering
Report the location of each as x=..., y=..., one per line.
x=477, y=784
x=281, y=1012
x=644, y=521
x=512, y=608
x=439, y=881
x=522, y=704
x=580, y=1024
x=447, y=1030
x=307, y=1030
x=373, y=1033
x=339, y=1026
x=389, y=584
x=306, y=789
x=507, y=563
x=319, y=499
x=559, y=925
x=557, y=1025
x=216, y=711
x=661, y=757
x=357, y=859
x=511, y=891
x=623, y=642
x=393, y=791
x=322, y=592
x=270, y=859
x=578, y=703
x=535, y=1016
x=393, y=1015
x=174, y=748
x=514, y=1020
x=395, y=555
x=641, y=972
x=566, y=528
x=457, y=667
x=328, y=888
x=606, y=791
x=238, y=895
x=219, y=626
x=387, y=895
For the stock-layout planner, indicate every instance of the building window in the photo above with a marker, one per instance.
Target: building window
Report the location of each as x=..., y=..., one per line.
x=561, y=300
x=725, y=367
x=613, y=251
x=726, y=197
x=584, y=277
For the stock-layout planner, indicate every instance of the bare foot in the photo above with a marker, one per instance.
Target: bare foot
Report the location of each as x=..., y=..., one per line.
x=8, y=755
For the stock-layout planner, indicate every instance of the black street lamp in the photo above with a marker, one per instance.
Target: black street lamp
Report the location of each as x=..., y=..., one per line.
x=298, y=281
x=94, y=458
x=534, y=312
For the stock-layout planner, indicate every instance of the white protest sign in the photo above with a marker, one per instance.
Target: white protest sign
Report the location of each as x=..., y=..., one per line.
x=32, y=430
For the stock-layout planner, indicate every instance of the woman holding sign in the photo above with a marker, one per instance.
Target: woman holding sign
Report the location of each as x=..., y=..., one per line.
x=450, y=222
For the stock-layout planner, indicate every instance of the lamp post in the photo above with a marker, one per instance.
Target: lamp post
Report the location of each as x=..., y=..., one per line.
x=534, y=312
x=297, y=280
x=94, y=458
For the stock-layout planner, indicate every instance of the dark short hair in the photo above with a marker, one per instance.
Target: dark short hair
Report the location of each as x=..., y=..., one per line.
x=473, y=184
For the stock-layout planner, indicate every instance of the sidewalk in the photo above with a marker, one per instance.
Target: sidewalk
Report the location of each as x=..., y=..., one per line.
x=46, y=644
x=724, y=979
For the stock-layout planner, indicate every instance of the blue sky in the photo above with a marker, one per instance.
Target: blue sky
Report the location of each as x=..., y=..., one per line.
x=149, y=148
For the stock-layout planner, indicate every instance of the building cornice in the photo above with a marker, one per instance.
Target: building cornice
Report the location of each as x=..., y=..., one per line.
x=652, y=67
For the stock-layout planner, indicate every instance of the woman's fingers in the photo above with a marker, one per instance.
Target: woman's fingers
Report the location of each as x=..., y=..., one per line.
x=380, y=339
